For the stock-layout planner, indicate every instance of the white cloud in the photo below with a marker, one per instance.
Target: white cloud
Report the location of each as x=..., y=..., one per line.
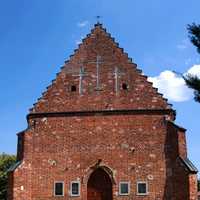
x=83, y=24
x=194, y=70
x=172, y=86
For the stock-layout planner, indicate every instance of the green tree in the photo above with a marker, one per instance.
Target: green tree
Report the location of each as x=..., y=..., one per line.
x=192, y=81
x=194, y=35
x=6, y=161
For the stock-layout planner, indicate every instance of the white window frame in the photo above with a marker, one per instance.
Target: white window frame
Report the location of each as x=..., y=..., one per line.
x=124, y=182
x=79, y=189
x=63, y=188
x=147, y=188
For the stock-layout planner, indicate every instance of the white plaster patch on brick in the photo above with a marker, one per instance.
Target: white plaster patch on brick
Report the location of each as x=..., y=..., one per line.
x=99, y=128
x=142, y=85
x=78, y=166
x=69, y=161
x=151, y=155
x=78, y=119
x=121, y=131
x=132, y=149
x=149, y=165
x=43, y=100
x=44, y=119
x=154, y=100
x=114, y=130
x=124, y=146
x=52, y=162
x=150, y=177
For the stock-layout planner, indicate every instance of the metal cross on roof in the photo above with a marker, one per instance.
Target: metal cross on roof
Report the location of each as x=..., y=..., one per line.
x=81, y=76
x=117, y=74
x=98, y=62
x=98, y=19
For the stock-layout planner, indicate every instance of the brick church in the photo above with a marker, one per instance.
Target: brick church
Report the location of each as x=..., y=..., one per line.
x=101, y=131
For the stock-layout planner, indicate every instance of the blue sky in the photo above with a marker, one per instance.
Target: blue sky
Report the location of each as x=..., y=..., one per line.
x=37, y=36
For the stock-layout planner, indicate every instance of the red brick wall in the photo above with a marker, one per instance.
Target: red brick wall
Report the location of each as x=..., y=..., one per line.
x=65, y=148
x=181, y=178
x=193, y=187
x=182, y=144
x=177, y=179
x=134, y=147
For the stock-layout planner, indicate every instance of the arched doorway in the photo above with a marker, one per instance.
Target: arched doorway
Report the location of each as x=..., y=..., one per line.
x=99, y=186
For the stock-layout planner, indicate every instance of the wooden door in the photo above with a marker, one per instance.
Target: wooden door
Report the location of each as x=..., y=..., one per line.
x=99, y=186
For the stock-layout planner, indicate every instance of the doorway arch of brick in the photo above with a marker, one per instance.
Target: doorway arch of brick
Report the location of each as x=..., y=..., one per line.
x=92, y=168
x=99, y=185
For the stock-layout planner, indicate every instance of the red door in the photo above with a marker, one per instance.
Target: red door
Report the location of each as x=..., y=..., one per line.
x=99, y=186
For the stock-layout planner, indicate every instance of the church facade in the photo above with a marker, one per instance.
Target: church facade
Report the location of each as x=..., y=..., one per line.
x=101, y=131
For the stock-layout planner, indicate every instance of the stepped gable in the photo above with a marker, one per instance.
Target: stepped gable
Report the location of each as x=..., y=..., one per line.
x=133, y=91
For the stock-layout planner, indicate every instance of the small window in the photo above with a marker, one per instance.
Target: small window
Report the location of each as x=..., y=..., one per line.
x=59, y=189
x=75, y=188
x=124, y=188
x=124, y=86
x=142, y=188
x=73, y=88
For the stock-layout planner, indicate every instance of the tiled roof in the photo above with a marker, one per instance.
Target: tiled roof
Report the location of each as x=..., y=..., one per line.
x=189, y=165
x=13, y=167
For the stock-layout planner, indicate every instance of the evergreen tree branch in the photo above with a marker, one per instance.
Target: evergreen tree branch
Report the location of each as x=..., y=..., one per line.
x=194, y=35
x=193, y=82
